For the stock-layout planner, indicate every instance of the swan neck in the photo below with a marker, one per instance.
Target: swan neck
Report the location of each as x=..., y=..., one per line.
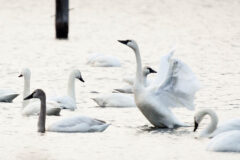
x=71, y=87
x=26, y=90
x=145, y=79
x=212, y=125
x=42, y=115
x=139, y=76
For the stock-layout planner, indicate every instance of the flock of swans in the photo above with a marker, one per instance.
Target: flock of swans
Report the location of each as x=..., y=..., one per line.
x=174, y=85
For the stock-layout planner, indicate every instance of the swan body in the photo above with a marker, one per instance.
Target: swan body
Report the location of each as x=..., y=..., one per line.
x=118, y=100
x=168, y=90
x=225, y=142
x=72, y=124
x=7, y=95
x=212, y=129
x=78, y=124
x=69, y=101
x=129, y=88
x=32, y=107
x=125, y=89
x=101, y=60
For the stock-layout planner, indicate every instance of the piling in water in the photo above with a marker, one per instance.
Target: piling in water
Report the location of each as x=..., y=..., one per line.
x=61, y=19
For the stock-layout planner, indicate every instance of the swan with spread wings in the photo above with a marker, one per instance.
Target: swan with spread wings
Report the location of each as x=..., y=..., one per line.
x=175, y=86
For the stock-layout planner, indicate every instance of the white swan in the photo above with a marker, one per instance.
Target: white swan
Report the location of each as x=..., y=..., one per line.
x=212, y=129
x=33, y=107
x=72, y=124
x=225, y=142
x=118, y=100
x=69, y=101
x=101, y=60
x=155, y=101
x=7, y=95
x=129, y=88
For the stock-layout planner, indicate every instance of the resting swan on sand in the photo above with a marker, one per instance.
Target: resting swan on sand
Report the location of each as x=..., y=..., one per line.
x=175, y=86
x=72, y=124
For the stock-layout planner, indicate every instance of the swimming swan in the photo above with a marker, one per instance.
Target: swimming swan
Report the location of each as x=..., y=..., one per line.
x=118, y=100
x=212, y=130
x=33, y=107
x=101, y=60
x=73, y=124
x=156, y=100
x=7, y=95
x=69, y=101
x=225, y=142
x=129, y=88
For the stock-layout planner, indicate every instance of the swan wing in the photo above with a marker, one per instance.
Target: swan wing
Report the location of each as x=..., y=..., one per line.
x=163, y=68
x=179, y=86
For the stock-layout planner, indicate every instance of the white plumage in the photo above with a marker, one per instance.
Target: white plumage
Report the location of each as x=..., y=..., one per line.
x=32, y=107
x=71, y=124
x=225, y=142
x=212, y=129
x=78, y=124
x=101, y=60
x=129, y=87
x=118, y=100
x=69, y=101
x=168, y=90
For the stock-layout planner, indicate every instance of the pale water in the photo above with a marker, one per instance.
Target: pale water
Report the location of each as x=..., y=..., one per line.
x=207, y=35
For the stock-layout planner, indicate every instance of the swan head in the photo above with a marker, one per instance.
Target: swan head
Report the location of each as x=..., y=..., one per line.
x=130, y=43
x=25, y=73
x=198, y=117
x=147, y=70
x=38, y=93
x=77, y=74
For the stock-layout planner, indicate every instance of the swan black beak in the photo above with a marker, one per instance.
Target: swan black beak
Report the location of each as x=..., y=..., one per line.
x=81, y=79
x=195, y=126
x=29, y=97
x=20, y=75
x=123, y=41
x=152, y=71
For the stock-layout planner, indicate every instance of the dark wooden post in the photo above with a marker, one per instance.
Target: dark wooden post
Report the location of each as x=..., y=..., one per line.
x=61, y=19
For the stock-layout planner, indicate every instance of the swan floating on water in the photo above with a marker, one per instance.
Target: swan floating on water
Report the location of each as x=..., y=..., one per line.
x=225, y=137
x=118, y=100
x=225, y=142
x=69, y=101
x=72, y=124
x=32, y=107
x=175, y=86
x=7, y=95
x=212, y=129
x=101, y=60
x=129, y=88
